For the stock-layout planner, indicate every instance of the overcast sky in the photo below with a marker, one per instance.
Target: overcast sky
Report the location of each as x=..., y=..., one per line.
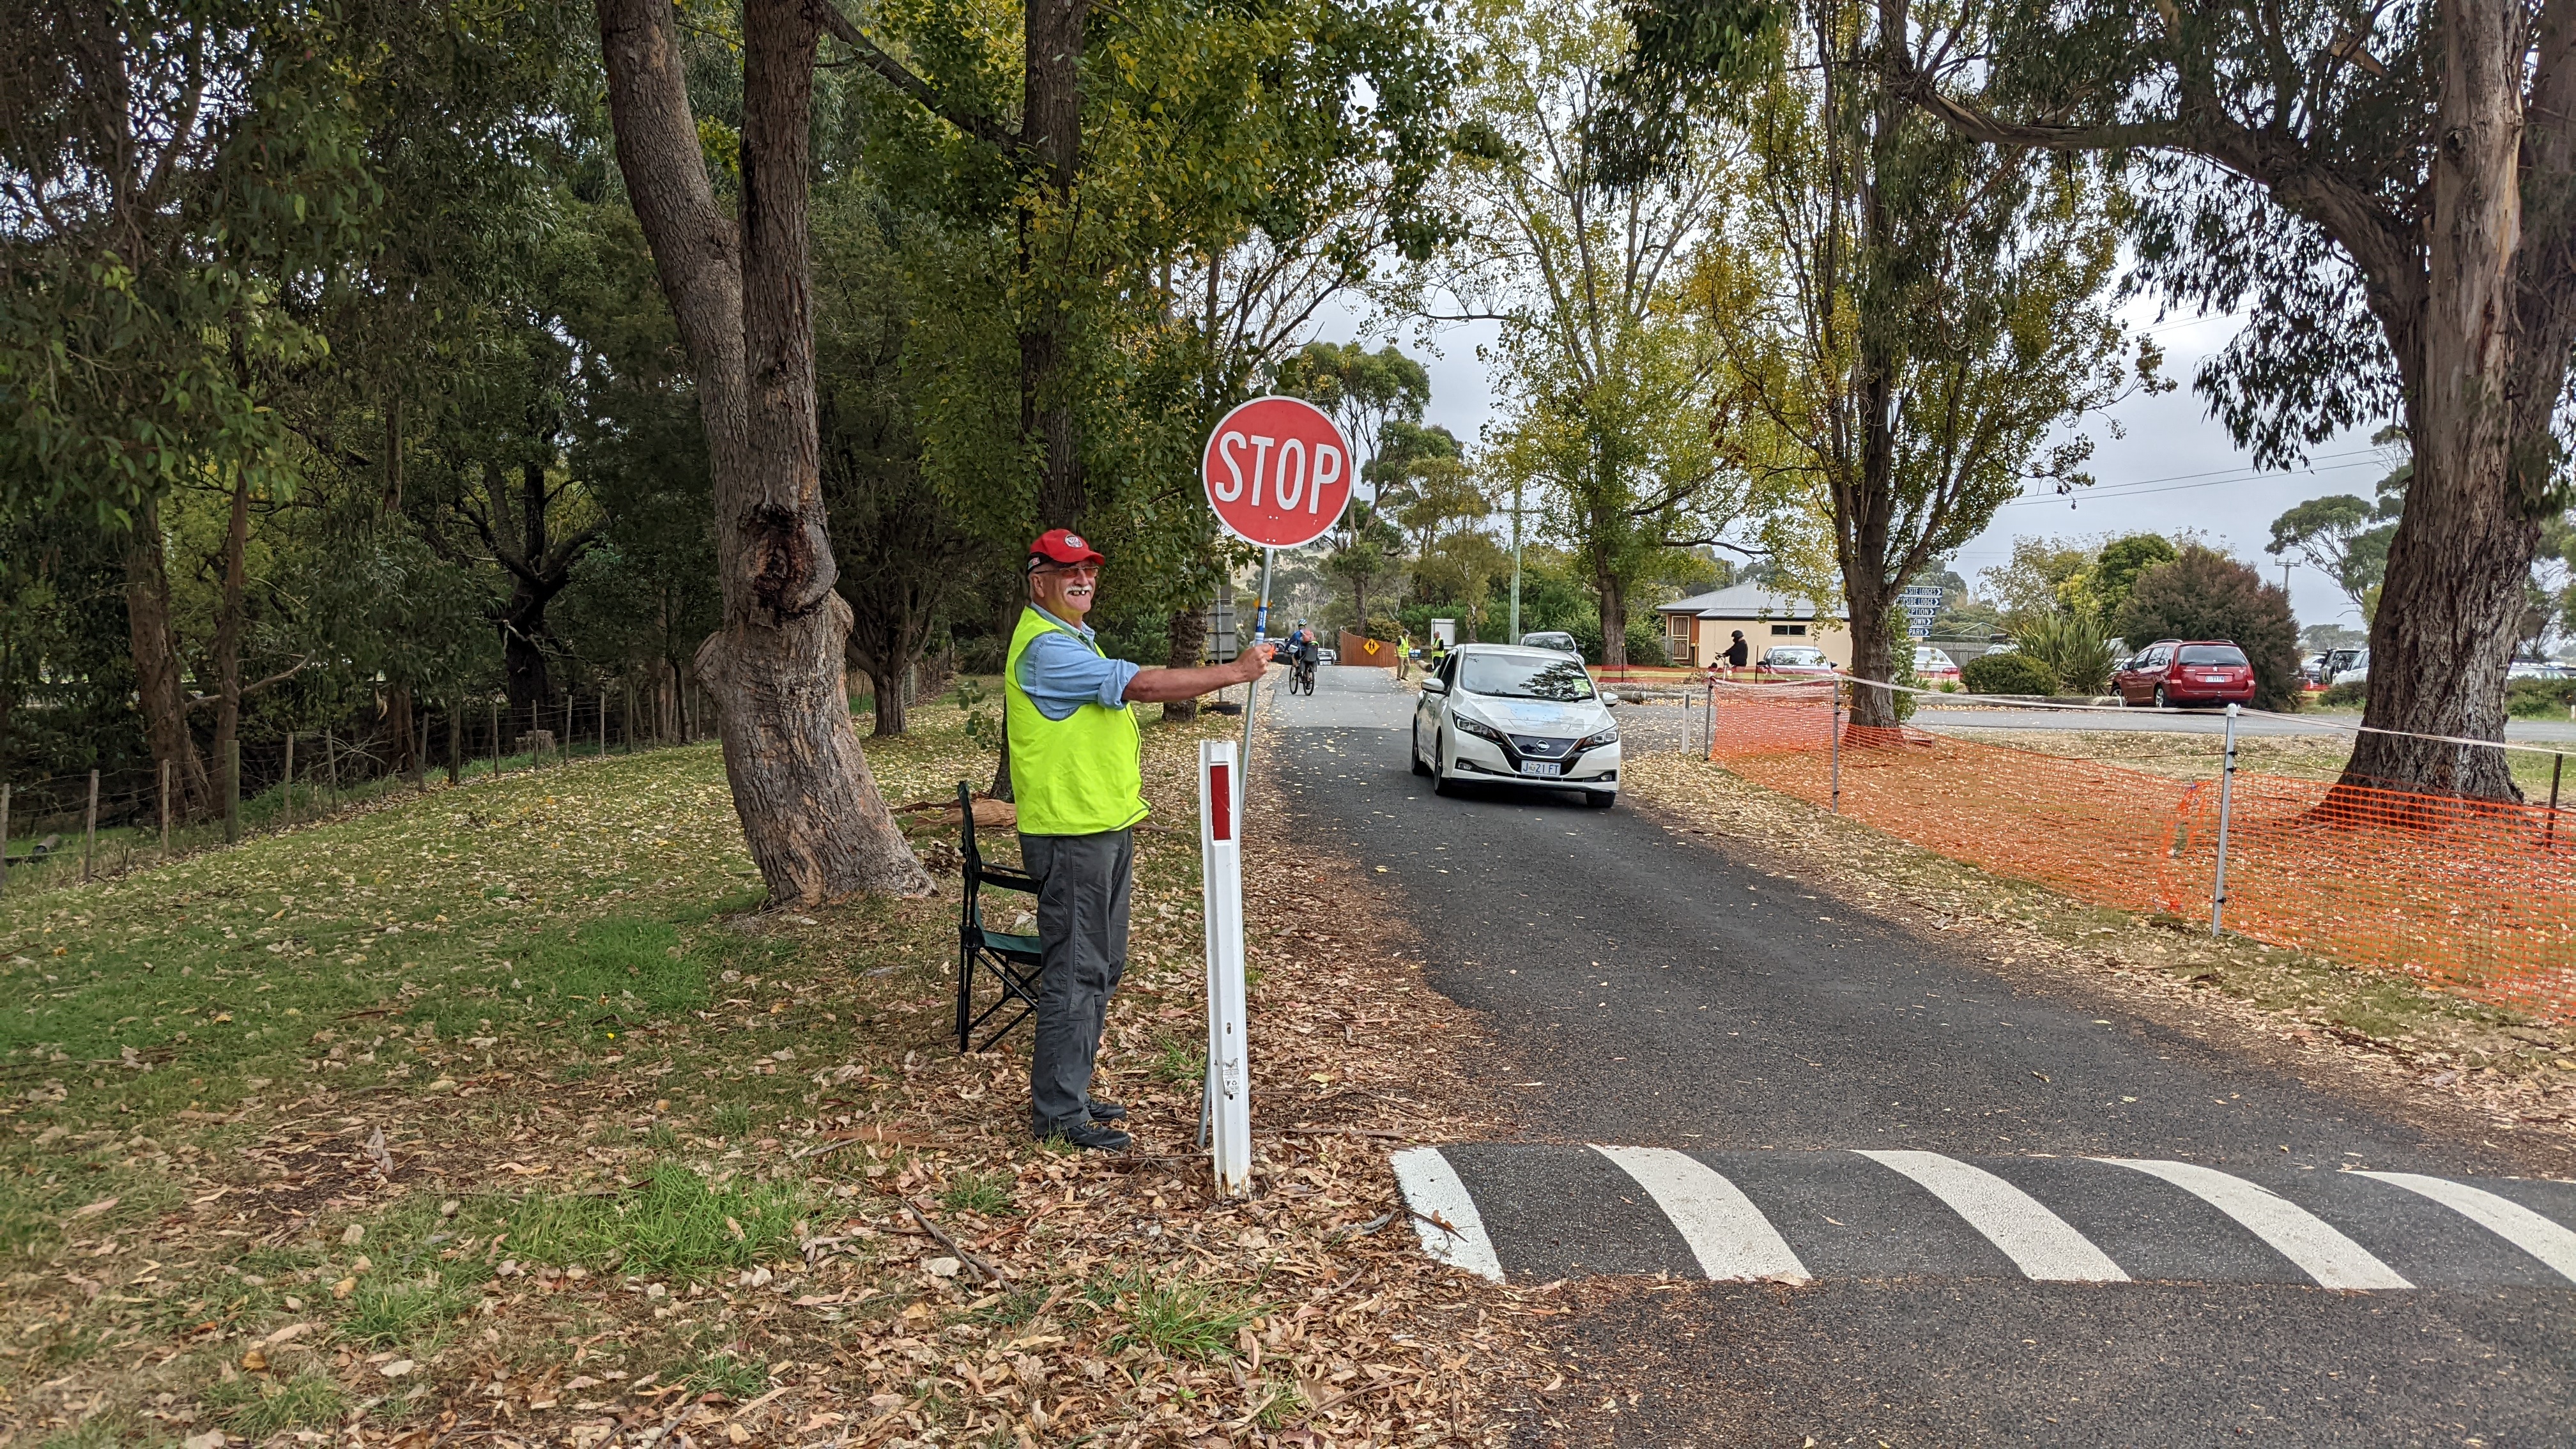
x=2175, y=469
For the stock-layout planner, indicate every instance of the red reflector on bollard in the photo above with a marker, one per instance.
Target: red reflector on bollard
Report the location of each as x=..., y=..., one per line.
x=1221, y=802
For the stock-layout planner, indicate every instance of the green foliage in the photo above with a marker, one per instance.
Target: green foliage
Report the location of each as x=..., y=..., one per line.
x=2071, y=647
x=2539, y=698
x=2343, y=537
x=2008, y=673
x=2346, y=696
x=2204, y=594
x=2116, y=569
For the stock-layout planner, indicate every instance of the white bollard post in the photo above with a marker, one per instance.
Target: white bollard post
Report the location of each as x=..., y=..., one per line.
x=1229, y=1084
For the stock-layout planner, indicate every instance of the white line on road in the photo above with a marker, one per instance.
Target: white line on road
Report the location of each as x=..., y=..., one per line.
x=1731, y=1238
x=2322, y=1253
x=2502, y=1216
x=1432, y=1189
x=2038, y=1241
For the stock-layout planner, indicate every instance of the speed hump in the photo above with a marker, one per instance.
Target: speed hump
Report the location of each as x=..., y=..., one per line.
x=1278, y=472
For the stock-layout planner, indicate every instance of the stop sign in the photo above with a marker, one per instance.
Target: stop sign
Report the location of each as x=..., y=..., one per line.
x=1278, y=472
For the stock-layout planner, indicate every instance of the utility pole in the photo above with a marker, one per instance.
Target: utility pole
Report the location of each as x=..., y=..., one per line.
x=1514, y=636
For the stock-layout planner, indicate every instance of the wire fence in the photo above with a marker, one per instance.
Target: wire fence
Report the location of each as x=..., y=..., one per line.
x=2473, y=896
x=63, y=830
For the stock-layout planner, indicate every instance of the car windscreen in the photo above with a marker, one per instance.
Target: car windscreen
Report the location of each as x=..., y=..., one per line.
x=2212, y=654
x=1795, y=656
x=1508, y=676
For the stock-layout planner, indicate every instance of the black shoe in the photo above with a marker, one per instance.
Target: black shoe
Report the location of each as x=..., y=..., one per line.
x=1104, y=1111
x=1095, y=1137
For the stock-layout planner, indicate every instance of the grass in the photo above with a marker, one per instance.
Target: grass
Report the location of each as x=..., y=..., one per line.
x=677, y=1225
x=383, y=1314
x=1185, y=1320
x=971, y=1192
x=256, y=1408
x=1177, y=1061
x=552, y=994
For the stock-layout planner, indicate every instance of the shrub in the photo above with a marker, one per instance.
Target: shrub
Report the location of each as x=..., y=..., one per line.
x=2346, y=696
x=2074, y=649
x=2539, y=698
x=2206, y=595
x=2008, y=674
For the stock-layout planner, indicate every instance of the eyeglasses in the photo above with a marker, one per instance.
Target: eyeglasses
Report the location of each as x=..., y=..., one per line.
x=1056, y=568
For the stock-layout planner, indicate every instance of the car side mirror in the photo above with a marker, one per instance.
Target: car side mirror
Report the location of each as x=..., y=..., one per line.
x=1608, y=698
x=1435, y=685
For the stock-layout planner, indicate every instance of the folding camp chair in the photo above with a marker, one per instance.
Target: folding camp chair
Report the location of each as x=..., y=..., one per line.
x=1012, y=962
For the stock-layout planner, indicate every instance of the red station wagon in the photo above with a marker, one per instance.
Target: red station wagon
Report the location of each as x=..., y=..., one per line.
x=2176, y=672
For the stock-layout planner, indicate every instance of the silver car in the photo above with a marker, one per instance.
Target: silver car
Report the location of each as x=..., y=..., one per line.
x=1501, y=714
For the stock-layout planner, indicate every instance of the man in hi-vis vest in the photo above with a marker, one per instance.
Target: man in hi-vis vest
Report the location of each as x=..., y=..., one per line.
x=1077, y=780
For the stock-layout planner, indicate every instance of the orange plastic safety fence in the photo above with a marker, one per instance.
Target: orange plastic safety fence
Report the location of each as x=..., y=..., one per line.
x=2473, y=896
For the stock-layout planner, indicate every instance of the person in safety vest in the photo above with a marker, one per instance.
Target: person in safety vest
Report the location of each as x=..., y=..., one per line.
x=1078, y=783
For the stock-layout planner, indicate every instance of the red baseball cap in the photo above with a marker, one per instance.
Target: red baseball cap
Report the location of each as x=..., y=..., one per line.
x=1063, y=546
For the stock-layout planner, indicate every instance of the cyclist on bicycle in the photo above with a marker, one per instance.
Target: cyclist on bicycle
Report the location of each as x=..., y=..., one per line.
x=1301, y=651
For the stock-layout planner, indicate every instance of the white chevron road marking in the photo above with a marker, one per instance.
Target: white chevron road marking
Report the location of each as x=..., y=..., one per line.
x=2038, y=1241
x=2322, y=1253
x=1432, y=1189
x=2502, y=1216
x=1731, y=1238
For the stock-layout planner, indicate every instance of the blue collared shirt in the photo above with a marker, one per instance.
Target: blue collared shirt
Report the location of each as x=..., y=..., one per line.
x=1061, y=675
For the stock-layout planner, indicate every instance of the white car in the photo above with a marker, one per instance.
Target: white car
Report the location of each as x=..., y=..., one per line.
x=2359, y=673
x=1498, y=713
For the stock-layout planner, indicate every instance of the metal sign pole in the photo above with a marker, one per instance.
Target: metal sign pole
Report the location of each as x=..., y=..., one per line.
x=1837, y=746
x=1229, y=1076
x=1260, y=626
x=2226, y=793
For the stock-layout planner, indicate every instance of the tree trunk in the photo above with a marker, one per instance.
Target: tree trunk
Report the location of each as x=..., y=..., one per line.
x=1051, y=124
x=159, y=691
x=228, y=631
x=1189, y=641
x=1614, y=618
x=890, y=706
x=811, y=813
x=2478, y=408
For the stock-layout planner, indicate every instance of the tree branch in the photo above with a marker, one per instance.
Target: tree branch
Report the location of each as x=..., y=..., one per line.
x=200, y=701
x=895, y=73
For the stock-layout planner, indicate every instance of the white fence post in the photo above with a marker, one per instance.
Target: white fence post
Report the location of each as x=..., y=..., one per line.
x=2226, y=802
x=1229, y=1083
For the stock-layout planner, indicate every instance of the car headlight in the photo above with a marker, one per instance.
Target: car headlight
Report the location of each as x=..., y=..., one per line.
x=1477, y=728
x=1609, y=735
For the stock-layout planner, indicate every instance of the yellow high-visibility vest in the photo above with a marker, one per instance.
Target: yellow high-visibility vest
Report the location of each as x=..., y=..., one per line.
x=1080, y=775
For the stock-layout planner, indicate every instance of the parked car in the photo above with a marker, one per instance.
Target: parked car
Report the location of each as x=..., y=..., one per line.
x=2535, y=669
x=1552, y=639
x=1796, y=660
x=1497, y=713
x=2357, y=672
x=2173, y=673
x=2321, y=669
x=1327, y=656
x=1934, y=667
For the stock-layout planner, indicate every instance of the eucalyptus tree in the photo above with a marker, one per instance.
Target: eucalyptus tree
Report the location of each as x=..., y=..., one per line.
x=1906, y=321
x=2389, y=193
x=170, y=175
x=1603, y=378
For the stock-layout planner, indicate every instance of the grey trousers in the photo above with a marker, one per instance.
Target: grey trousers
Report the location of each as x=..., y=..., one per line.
x=1082, y=933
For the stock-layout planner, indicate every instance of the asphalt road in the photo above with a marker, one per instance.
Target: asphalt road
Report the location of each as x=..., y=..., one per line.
x=1903, y=1143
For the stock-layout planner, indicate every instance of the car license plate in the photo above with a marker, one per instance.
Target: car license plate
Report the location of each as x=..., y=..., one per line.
x=1541, y=767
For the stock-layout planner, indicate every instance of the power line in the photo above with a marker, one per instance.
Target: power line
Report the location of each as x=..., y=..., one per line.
x=2140, y=488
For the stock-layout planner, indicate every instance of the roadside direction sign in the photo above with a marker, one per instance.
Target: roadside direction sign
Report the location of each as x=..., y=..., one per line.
x=1278, y=472
x=1922, y=604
